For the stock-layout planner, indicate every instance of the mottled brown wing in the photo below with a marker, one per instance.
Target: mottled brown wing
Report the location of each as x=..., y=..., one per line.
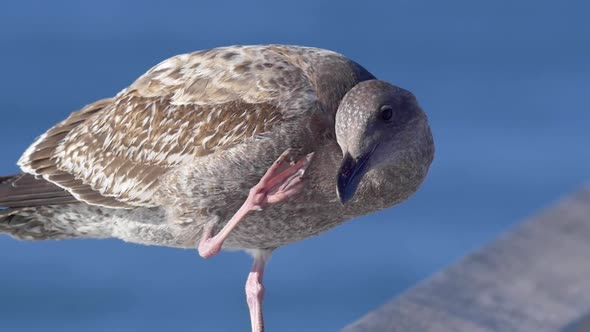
x=112, y=153
x=39, y=160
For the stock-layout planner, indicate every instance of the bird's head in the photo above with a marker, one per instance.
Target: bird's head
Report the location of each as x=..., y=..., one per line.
x=380, y=125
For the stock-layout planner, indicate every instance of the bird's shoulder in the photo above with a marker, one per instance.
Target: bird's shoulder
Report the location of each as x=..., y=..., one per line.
x=250, y=73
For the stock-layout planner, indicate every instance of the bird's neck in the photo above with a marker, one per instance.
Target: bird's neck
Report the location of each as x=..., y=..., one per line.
x=388, y=185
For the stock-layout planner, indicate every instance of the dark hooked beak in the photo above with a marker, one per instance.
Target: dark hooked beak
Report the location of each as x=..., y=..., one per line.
x=350, y=174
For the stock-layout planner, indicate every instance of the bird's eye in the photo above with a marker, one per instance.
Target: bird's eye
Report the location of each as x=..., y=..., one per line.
x=386, y=113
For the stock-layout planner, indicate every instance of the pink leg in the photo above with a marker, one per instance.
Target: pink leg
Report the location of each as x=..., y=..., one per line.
x=255, y=292
x=281, y=181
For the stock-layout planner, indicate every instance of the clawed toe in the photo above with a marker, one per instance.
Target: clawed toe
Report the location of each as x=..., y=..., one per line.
x=279, y=183
x=287, y=183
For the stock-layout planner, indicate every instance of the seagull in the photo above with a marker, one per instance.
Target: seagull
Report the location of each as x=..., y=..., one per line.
x=240, y=147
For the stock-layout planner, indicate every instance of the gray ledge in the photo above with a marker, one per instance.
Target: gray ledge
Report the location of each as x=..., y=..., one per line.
x=535, y=278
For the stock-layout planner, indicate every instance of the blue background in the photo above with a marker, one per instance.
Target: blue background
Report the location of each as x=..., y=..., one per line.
x=505, y=84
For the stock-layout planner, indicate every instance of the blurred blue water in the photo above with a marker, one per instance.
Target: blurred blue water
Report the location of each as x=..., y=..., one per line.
x=506, y=86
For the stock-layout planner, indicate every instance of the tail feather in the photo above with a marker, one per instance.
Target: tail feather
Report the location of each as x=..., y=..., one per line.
x=25, y=190
x=20, y=197
x=22, y=224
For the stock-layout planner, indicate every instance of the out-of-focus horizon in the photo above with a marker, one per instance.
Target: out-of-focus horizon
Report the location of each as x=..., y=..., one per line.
x=505, y=85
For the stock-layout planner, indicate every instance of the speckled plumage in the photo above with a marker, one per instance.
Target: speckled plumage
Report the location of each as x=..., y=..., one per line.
x=181, y=146
x=195, y=153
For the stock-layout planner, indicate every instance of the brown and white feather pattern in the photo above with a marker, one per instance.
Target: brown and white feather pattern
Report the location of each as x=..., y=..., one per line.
x=177, y=151
x=113, y=152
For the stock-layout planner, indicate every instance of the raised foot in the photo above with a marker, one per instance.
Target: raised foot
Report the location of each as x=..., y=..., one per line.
x=282, y=180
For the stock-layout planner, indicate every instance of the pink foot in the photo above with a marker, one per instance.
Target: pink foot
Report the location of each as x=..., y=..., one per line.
x=280, y=182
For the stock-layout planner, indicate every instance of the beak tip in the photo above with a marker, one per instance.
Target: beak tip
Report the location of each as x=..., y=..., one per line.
x=344, y=196
x=349, y=175
x=348, y=178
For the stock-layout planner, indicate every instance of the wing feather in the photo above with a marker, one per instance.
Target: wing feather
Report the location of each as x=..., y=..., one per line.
x=113, y=152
